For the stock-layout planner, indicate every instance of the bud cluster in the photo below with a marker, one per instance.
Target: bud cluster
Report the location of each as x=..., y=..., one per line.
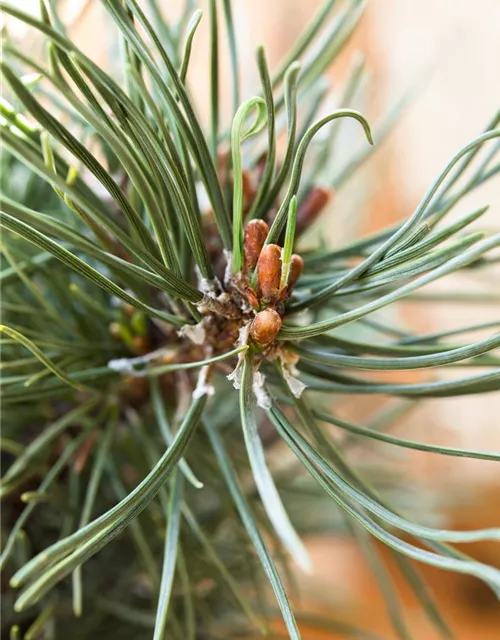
x=268, y=278
x=269, y=281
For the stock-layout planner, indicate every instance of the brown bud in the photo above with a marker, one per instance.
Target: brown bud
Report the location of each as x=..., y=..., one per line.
x=265, y=327
x=296, y=266
x=269, y=271
x=311, y=207
x=255, y=235
x=140, y=345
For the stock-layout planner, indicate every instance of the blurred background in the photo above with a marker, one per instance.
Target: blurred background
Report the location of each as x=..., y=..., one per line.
x=446, y=55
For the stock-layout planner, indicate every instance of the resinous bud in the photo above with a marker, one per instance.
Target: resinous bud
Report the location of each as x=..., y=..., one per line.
x=255, y=235
x=269, y=271
x=265, y=327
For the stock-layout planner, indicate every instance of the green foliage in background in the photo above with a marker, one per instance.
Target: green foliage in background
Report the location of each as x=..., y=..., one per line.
x=154, y=373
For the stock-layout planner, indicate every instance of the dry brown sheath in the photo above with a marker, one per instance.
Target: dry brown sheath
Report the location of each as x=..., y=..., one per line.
x=269, y=271
x=265, y=327
x=255, y=235
x=252, y=298
x=296, y=266
x=311, y=207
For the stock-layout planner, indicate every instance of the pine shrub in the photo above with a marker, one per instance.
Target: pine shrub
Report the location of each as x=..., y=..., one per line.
x=167, y=326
